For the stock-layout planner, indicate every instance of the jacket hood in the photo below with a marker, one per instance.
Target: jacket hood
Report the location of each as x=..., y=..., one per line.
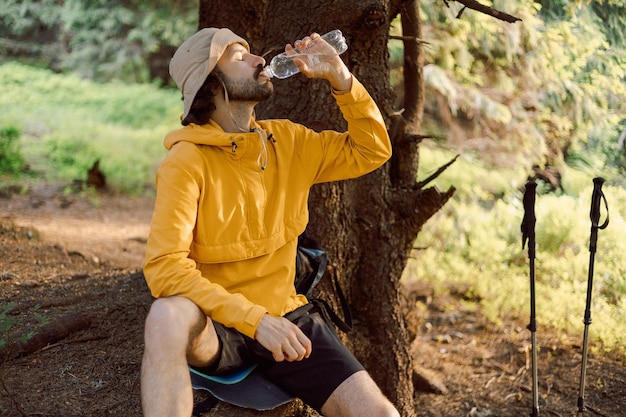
x=212, y=134
x=209, y=134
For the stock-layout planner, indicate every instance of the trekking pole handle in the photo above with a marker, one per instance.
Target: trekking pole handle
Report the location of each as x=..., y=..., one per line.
x=528, y=223
x=596, y=197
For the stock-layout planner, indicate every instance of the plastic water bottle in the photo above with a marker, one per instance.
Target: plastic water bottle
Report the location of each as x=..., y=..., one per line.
x=282, y=65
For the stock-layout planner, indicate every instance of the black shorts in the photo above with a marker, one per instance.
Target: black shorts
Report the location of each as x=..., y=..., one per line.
x=312, y=380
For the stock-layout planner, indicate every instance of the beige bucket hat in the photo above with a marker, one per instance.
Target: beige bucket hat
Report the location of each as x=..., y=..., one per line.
x=194, y=60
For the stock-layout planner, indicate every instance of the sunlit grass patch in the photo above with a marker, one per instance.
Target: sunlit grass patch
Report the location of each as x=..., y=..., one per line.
x=68, y=123
x=475, y=240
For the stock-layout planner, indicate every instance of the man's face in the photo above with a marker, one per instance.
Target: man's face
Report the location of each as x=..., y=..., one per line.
x=239, y=70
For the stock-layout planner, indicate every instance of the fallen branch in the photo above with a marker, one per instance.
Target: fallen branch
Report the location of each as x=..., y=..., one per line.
x=53, y=302
x=593, y=410
x=78, y=340
x=47, y=334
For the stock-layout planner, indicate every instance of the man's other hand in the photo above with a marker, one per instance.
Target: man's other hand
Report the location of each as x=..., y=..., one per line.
x=283, y=338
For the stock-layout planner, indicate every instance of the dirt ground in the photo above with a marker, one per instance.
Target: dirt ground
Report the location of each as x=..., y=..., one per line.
x=70, y=275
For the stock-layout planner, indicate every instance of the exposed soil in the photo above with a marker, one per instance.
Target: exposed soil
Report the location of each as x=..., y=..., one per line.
x=76, y=260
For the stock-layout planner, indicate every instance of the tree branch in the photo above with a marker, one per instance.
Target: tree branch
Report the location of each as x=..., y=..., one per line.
x=416, y=205
x=419, y=138
x=405, y=158
x=490, y=11
x=409, y=39
x=439, y=171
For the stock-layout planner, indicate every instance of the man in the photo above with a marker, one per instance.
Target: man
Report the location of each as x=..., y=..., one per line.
x=231, y=202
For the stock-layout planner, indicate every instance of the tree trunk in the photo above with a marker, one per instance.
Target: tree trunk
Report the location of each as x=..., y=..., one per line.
x=368, y=225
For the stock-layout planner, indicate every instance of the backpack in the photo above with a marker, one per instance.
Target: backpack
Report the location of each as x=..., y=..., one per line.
x=311, y=267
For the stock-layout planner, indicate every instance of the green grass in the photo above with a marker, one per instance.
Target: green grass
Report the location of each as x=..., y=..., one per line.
x=476, y=240
x=68, y=123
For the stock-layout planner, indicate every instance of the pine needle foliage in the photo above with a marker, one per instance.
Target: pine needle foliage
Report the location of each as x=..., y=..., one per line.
x=99, y=39
x=545, y=89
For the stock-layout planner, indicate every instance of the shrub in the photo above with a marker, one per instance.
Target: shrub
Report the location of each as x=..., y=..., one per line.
x=11, y=159
x=476, y=240
x=68, y=123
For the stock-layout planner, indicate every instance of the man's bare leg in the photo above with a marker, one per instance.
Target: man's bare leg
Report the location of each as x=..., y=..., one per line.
x=177, y=333
x=358, y=396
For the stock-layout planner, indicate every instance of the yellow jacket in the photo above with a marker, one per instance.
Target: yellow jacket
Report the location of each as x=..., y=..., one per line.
x=224, y=231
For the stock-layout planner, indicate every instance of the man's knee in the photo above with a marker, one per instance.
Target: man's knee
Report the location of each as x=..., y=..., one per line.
x=359, y=396
x=173, y=319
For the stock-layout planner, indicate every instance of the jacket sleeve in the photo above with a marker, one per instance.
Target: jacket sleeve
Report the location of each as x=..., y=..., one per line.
x=168, y=269
x=364, y=147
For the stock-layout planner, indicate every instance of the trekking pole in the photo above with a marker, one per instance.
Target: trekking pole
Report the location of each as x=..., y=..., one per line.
x=593, y=240
x=528, y=233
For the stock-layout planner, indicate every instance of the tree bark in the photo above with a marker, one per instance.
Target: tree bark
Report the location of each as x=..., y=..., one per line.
x=367, y=225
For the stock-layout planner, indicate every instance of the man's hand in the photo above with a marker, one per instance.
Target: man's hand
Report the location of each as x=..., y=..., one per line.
x=328, y=66
x=283, y=338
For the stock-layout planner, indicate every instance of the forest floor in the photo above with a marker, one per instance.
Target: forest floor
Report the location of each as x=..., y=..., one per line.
x=70, y=277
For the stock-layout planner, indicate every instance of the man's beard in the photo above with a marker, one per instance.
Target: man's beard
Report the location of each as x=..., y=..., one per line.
x=247, y=90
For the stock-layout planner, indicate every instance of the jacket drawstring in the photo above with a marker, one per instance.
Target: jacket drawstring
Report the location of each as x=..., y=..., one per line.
x=262, y=158
x=263, y=154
